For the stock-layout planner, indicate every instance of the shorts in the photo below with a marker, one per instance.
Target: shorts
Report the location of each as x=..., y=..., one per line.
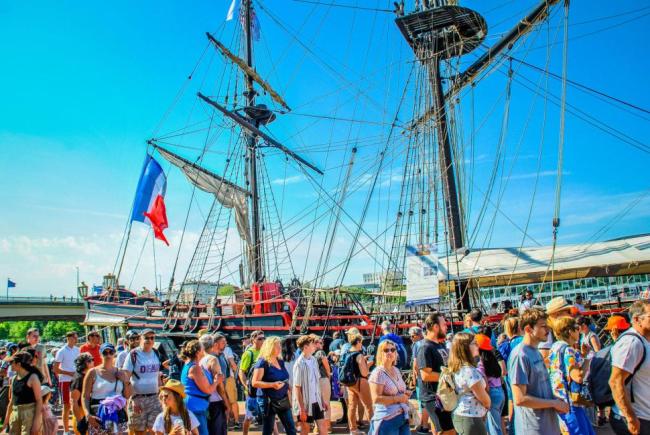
x=316, y=413
x=149, y=409
x=64, y=388
x=22, y=419
x=441, y=419
x=231, y=390
x=251, y=408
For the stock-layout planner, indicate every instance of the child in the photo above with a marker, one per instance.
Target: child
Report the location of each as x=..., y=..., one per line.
x=175, y=418
x=50, y=422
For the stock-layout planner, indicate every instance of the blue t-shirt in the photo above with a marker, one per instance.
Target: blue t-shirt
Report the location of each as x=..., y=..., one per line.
x=273, y=374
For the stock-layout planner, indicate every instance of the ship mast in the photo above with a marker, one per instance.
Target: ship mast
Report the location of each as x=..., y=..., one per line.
x=258, y=271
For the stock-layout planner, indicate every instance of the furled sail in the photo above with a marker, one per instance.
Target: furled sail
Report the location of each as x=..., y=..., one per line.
x=228, y=194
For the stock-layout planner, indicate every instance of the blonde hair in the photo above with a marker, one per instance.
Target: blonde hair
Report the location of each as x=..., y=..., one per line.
x=563, y=327
x=354, y=339
x=381, y=355
x=268, y=348
x=461, y=354
x=511, y=326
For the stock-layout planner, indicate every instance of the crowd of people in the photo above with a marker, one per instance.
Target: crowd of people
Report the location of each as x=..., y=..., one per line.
x=539, y=371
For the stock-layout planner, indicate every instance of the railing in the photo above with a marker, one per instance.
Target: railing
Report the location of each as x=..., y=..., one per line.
x=59, y=300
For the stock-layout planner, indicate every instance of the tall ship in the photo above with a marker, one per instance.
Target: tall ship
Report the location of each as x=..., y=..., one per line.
x=400, y=193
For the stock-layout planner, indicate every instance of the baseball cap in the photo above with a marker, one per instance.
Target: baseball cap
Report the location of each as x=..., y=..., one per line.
x=147, y=331
x=617, y=322
x=483, y=342
x=106, y=346
x=131, y=334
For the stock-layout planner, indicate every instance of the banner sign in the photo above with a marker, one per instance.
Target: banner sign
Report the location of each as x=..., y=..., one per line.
x=422, y=275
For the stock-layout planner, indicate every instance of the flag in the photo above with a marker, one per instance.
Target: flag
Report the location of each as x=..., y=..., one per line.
x=149, y=203
x=235, y=7
x=10, y=283
x=231, y=10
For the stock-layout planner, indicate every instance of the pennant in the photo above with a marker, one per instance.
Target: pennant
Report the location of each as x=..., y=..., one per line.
x=231, y=10
x=10, y=283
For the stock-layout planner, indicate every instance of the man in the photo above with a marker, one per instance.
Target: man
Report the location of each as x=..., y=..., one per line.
x=218, y=408
x=33, y=337
x=579, y=303
x=64, y=367
x=630, y=359
x=475, y=317
x=92, y=346
x=555, y=308
x=337, y=341
x=535, y=408
x=528, y=302
x=432, y=355
x=120, y=345
x=616, y=325
x=132, y=341
x=417, y=338
x=307, y=395
x=143, y=367
x=248, y=360
x=224, y=352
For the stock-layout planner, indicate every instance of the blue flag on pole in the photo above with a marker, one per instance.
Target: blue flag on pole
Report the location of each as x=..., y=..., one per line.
x=10, y=283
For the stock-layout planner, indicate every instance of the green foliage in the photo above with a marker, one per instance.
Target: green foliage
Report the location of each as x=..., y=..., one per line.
x=17, y=331
x=226, y=290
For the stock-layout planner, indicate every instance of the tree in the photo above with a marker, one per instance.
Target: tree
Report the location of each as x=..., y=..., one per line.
x=17, y=331
x=57, y=330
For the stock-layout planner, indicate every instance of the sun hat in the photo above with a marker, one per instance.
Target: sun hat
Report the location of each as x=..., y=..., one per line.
x=617, y=322
x=557, y=304
x=175, y=386
x=483, y=342
x=45, y=390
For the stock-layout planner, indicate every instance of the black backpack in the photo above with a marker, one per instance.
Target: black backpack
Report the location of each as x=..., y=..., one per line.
x=601, y=369
x=349, y=373
x=252, y=392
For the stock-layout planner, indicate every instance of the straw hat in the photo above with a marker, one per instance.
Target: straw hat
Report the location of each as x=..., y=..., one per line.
x=617, y=322
x=557, y=304
x=175, y=386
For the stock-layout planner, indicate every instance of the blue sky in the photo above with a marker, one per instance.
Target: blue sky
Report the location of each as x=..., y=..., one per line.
x=85, y=85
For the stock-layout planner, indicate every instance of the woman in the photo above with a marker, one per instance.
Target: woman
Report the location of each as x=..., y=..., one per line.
x=198, y=383
x=270, y=374
x=25, y=413
x=40, y=362
x=358, y=394
x=102, y=382
x=589, y=341
x=566, y=369
x=175, y=418
x=50, y=422
x=325, y=372
x=83, y=363
x=473, y=399
x=288, y=355
x=308, y=404
x=389, y=394
x=490, y=368
x=513, y=338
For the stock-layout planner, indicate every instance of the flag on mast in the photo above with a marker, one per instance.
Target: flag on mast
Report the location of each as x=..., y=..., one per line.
x=149, y=204
x=10, y=283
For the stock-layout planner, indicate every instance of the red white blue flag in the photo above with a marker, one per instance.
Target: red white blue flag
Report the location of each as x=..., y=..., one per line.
x=149, y=203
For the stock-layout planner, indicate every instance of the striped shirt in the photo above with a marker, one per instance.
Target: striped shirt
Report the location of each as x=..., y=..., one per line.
x=306, y=376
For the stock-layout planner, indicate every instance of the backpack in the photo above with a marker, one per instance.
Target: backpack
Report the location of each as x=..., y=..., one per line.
x=600, y=371
x=447, y=390
x=252, y=392
x=133, y=354
x=349, y=373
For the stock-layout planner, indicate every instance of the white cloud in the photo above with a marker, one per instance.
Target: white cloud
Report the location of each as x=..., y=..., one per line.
x=550, y=173
x=288, y=180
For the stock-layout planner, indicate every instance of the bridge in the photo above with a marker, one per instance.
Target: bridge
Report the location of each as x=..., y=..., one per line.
x=33, y=308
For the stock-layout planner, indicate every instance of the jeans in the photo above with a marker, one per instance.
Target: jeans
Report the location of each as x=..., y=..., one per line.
x=217, y=419
x=398, y=425
x=497, y=397
x=286, y=418
x=202, y=417
x=619, y=425
x=469, y=425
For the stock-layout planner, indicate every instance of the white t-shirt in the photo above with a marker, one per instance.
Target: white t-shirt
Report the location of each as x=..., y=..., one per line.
x=65, y=357
x=228, y=353
x=626, y=355
x=159, y=423
x=121, y=357
x=205, y=363
x=147, y=367
x=468, y=404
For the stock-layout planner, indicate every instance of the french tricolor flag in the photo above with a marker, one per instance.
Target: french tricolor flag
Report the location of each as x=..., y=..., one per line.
x=149, y=203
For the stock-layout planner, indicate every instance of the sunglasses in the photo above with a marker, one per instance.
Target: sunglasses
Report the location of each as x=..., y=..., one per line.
x=390, y=350
x=260, y=338
x=135, y=338
x=108, y=353
x=149, y=338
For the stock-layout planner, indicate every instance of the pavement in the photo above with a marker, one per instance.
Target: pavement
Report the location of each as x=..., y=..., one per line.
x=336, y=429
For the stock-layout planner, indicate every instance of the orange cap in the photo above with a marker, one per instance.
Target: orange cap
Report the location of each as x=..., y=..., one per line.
x=617, y=322
x=483, y=342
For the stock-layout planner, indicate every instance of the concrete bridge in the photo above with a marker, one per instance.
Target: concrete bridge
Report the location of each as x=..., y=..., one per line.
x=32, y=308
